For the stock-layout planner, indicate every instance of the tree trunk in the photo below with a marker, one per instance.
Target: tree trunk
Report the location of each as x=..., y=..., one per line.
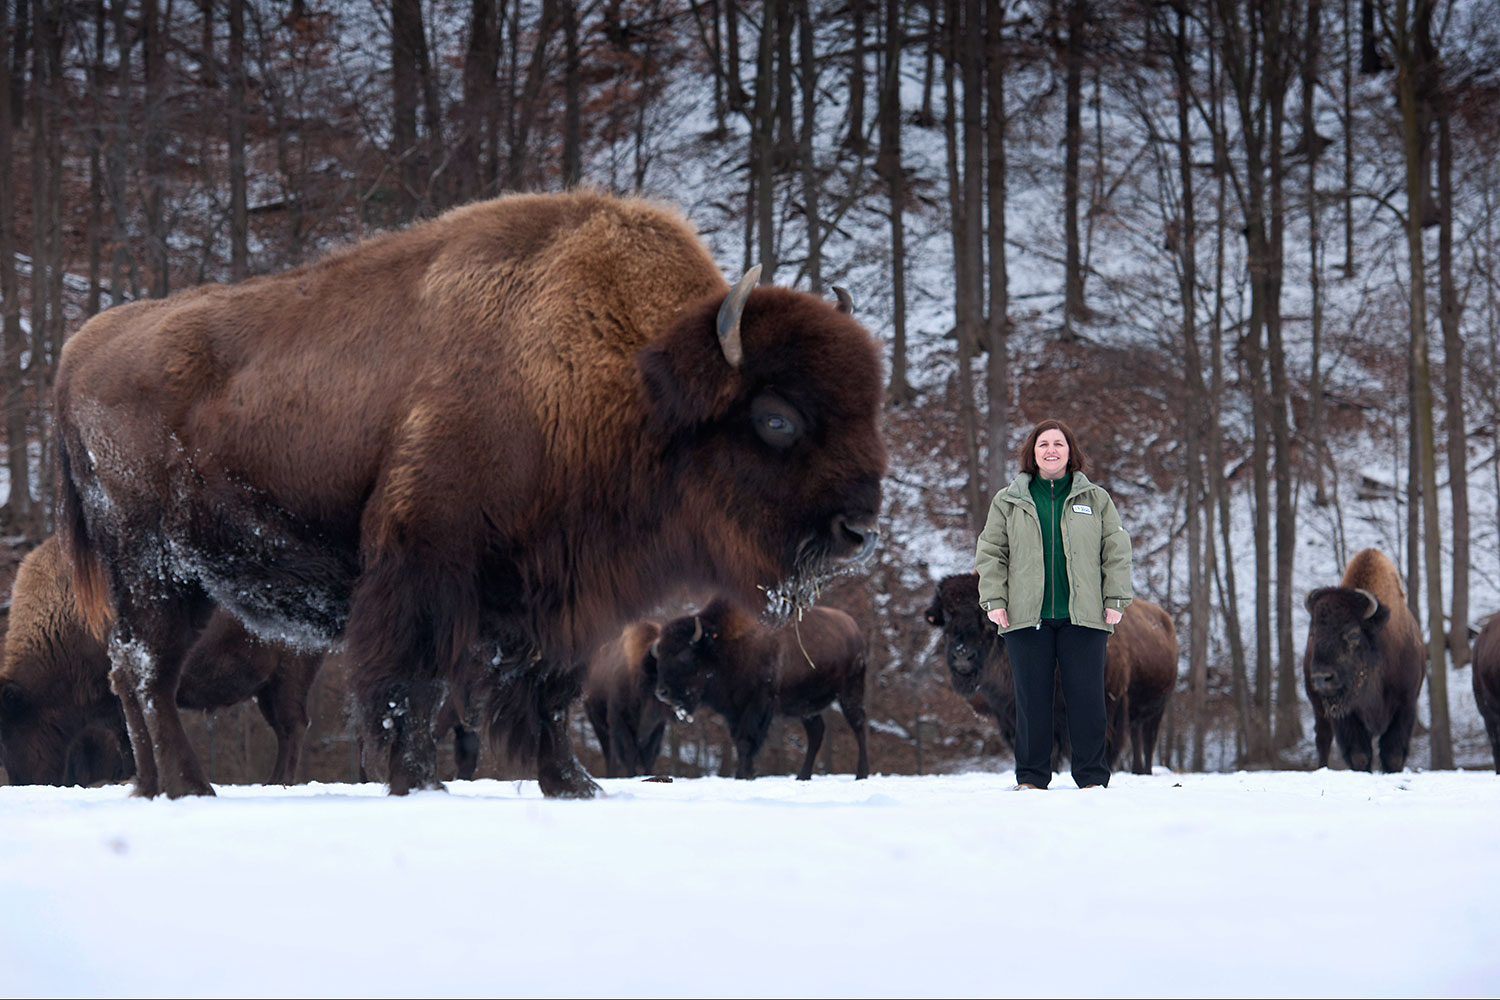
x=889, y=167
x=18, y=506
x=1194, y=416
x=997, y=326
x=762, y=133
x=1311, y=53
x=536, y=72
x=481, y=61
x=572, y=165
x=1450, y=312
x=123, y=278
x=1416, y=63
x=855, y=140
x=809, y=168
x=1073, y=55
x=1277, y=61
x=965, y=326
x=153, y=35
x=239, y=209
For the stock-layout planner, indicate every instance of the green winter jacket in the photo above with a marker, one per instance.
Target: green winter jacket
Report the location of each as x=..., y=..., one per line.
x=1010, y=561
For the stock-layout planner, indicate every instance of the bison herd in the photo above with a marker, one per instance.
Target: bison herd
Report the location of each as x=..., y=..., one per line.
x=472, y=458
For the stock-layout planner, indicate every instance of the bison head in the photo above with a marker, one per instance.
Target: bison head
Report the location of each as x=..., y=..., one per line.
x=47, y=739
x=1343, y=644
x=969, y=638
x=687, y=654
x=766, y=406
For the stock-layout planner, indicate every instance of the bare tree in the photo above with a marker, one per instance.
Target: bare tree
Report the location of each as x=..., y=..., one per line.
x=1410, y=30
x=888, y=165
x=18, y=506
x=239, y=209
x=997, y=326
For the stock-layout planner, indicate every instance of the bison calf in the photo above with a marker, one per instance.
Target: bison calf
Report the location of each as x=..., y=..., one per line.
x=1364, y=664
x=60, y=724
x=619, y=696
x=1140, y=670
x=1487, y=682
x=725, y=659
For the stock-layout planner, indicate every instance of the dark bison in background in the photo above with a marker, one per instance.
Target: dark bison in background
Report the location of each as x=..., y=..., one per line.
x=619, y=697
x=1140, y=670
x=1364, y=664
x=490, y=439
x=749, y=673
x=61, y=725
x=1487, y=682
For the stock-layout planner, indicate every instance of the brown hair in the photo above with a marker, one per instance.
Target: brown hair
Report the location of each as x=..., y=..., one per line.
x=1076, y=457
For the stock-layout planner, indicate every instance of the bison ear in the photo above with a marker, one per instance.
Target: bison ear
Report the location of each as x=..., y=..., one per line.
x=934, y=615
x=683, y=375
x=1313, y=595
x=1377, y=618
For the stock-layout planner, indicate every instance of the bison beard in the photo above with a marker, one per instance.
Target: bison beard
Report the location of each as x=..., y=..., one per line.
x=475, y=448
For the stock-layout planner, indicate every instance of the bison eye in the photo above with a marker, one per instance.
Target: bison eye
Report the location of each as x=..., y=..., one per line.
x=12, y=701
x=776, y=421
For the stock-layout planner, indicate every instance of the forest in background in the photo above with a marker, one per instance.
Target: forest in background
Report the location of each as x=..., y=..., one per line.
x=1246, y=249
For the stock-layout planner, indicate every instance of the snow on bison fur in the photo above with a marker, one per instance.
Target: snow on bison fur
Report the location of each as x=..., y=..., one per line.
x=492, y=438
x=1364, y=664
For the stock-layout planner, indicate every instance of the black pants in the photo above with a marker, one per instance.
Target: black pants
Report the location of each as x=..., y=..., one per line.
x=1036, y=655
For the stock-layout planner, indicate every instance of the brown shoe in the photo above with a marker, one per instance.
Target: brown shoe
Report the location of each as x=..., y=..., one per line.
x=1023, y=786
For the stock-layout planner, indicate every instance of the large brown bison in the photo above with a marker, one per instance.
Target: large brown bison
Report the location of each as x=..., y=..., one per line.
x=619, y=697
x=1486, y=680
x=492, y=438
x=61, y=725
x=1364, y=664
x=749, y=673
x=1140, y=670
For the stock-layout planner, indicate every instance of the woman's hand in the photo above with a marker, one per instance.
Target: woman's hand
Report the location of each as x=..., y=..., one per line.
x=999, y=617
x=1112, y=617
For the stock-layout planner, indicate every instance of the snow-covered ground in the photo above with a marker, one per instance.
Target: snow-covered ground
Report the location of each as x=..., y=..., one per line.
x=1255, y=883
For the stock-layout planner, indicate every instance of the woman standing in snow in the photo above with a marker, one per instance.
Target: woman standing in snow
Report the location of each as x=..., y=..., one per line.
x=1054, y=576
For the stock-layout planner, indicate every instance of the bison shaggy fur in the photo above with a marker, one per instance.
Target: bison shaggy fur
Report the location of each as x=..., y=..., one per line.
x=493, y=438
x=750, y=673
x=1364, y=664
x=60, y=724
x=1140, y=670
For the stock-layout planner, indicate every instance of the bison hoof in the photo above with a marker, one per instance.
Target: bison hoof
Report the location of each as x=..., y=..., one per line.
x=574, y=783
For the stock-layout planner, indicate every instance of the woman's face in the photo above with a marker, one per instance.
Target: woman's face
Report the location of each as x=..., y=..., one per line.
x=1051, y=453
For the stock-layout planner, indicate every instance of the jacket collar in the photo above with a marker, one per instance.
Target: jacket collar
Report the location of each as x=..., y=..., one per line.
x=1019, y=490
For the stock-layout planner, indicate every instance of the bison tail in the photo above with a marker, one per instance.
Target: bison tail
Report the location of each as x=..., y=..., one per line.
x=90, y=588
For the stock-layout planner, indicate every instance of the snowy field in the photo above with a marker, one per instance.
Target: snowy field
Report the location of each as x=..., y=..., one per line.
x=1256, y=883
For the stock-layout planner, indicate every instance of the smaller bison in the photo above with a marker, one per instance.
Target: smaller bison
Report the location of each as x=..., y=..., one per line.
x=619, y=696
x=1364, y=664
x=1140, y=670
x=1487, y=682
x=60, y=724
x=725, y=659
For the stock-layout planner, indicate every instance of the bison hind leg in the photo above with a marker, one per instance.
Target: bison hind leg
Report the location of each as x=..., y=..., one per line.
x=529, y=716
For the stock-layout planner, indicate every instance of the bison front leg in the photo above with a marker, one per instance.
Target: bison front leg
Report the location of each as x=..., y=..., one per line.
x=1354, y=743
x=283, y=704
x=814, y=726
x=852, y=705
x=1396, y=740
x=1322, y=728
x=559, y=773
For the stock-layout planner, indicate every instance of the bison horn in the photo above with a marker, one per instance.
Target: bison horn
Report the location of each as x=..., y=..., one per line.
x=846, y=303
x=1374, y=602
x=729, y=317
x=697, y=629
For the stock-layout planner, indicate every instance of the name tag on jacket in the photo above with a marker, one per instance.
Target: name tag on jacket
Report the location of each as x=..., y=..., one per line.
x=1082, y=508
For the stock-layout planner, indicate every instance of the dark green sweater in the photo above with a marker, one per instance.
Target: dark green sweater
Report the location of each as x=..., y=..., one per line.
x=1050, y=496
